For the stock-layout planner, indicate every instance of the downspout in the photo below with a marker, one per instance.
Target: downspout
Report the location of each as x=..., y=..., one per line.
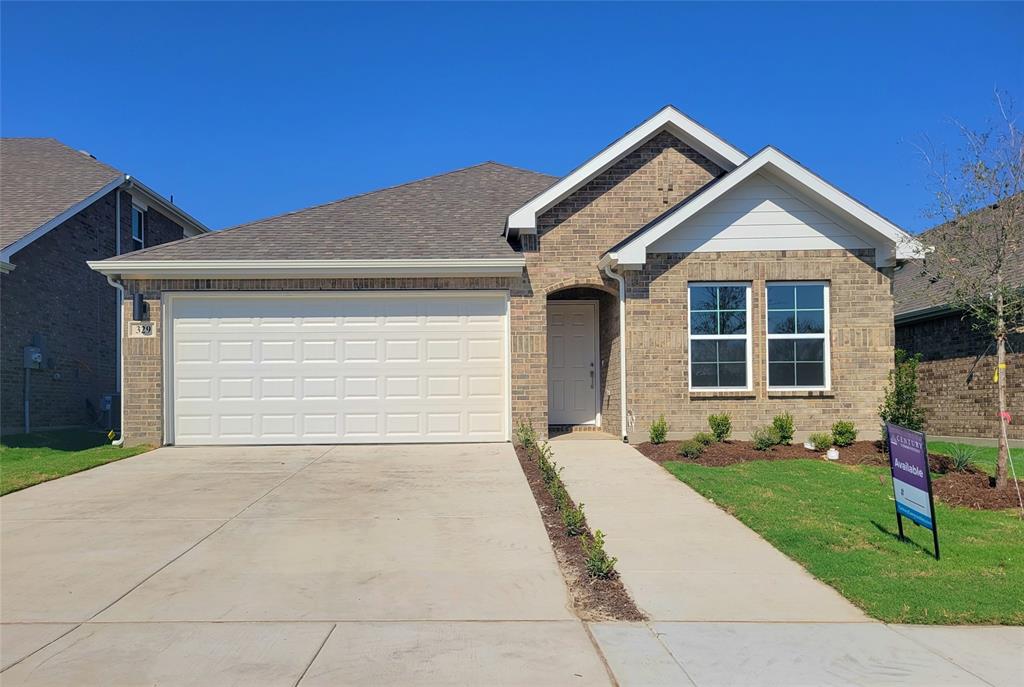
x=622, y=349
x=120, y=293
x=120, y=357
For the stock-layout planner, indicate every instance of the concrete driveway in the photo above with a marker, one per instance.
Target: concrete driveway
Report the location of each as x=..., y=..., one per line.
x=288, y=565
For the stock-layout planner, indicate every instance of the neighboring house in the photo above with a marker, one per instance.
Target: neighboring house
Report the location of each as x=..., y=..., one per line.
x=59, y=208
x=955, y=378
x=452, y=308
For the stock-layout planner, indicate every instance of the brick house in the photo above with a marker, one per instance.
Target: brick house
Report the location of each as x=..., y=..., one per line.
x=955, y=376
x=58, y=209
x=669, y=274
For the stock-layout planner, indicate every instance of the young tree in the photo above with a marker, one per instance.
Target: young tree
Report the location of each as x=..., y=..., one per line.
x=979, y=191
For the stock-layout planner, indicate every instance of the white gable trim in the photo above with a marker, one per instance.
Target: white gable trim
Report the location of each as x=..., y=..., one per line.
x=8, y=251
x=726, y=156
x=190, y=225
x=898, y=244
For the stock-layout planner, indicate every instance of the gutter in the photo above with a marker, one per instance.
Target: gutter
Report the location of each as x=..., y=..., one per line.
x=165, y=205
x=929, y=313
x=5, y=267
x=120, y=358
x=234, y=269
x=622, y=349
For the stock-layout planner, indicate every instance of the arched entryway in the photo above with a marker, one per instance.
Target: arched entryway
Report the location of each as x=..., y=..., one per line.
x=583, y=358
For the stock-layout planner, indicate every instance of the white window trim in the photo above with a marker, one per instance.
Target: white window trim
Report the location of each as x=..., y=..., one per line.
x=142, y=238
x=690, y=338
x=826, y=336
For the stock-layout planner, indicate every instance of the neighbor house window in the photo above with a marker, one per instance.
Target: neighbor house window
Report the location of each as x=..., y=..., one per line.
x=138, y=228
x=798, y=348
x=719, y=336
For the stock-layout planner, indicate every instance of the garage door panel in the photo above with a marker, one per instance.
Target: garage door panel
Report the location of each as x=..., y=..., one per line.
x=347, y=368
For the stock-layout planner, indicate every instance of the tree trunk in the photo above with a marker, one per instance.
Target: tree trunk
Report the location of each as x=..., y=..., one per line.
x=1004, y=448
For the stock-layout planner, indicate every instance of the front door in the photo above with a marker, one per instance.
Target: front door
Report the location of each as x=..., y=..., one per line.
x=572, y=363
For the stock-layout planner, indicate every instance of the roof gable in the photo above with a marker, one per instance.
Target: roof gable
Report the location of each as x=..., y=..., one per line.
x=41, y=179
x=752, y=203
x=524, y=219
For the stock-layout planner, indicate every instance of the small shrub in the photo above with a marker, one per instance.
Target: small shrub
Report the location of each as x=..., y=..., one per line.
x=822, y=441
x=783, y=424
x=766, y=437
x=549, y=469
x=900, y=404
x=843, y=433
x=598, y=563
x=526, y=435
x=574, y=520
x=721, y=426
x=561, y=496
x=962, y=457
x=704, y=438
x=691, y=448
x=659, y=431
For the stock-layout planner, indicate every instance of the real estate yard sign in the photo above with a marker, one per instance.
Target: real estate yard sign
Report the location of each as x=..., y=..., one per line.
x=911, y=480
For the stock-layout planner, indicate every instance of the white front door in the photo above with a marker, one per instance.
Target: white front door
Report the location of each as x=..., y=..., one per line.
x=338, y=367
x=573, y=376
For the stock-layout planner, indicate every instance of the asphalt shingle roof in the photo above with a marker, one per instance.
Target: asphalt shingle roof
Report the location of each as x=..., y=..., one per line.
x=460, y=214
x=39, y=179
x=914, y=290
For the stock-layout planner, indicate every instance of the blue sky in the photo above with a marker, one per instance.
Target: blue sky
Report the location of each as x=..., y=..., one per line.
x=248, y=110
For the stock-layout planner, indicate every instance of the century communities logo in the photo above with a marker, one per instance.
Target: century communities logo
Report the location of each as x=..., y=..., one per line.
x=907, y=467
x=907, y=442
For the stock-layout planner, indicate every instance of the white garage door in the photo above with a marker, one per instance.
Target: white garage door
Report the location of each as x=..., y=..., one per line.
x=339, y=368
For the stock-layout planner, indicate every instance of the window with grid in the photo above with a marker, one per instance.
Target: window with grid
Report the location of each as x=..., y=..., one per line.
x=719, y=336
x=138, y=228
x=798, y=346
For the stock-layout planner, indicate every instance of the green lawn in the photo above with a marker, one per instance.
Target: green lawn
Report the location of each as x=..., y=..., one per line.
x=27, y=459
x=839, y=522
x=985, y=456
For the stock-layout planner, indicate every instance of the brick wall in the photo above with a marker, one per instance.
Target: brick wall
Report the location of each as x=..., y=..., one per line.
x=53, y=295
x=861, y=340
x=953, y=405
x=570, y=239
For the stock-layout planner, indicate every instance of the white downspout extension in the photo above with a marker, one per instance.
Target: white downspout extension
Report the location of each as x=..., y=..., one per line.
x=622, y=349
x=120, y=357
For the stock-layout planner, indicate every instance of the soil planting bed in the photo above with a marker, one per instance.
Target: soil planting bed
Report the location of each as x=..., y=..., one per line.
x=593, y=599
x=970, y=488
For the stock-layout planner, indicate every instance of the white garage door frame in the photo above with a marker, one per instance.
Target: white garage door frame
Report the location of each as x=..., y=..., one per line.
x=170, y=298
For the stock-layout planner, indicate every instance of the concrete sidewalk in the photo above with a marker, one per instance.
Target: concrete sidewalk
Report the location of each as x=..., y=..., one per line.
x=727, y=608
x=681, y=557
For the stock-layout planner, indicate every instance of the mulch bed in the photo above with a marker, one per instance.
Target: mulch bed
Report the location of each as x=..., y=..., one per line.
x=592, y=599
x=970, y=488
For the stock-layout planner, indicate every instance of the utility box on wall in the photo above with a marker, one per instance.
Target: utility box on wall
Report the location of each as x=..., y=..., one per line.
x=33, y=358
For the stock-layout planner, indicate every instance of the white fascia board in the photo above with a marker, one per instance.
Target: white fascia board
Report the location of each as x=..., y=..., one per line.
x=190, y=224
x=272, y=269
x=524, y=220
x=899, y=244
x=8, y=251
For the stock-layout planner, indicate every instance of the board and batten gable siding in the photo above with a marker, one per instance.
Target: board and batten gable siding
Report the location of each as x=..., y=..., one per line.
x=758, y=215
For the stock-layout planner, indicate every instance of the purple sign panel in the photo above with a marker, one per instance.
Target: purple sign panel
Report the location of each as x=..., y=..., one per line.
x=911, y=483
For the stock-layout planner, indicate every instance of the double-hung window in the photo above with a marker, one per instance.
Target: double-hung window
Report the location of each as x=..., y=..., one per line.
x=138, y=227
x=798, y=338
x=719, y=335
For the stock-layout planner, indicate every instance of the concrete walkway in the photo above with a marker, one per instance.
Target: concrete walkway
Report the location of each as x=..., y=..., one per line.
x=288, y=565
x=727, y=608
x=682, y=558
